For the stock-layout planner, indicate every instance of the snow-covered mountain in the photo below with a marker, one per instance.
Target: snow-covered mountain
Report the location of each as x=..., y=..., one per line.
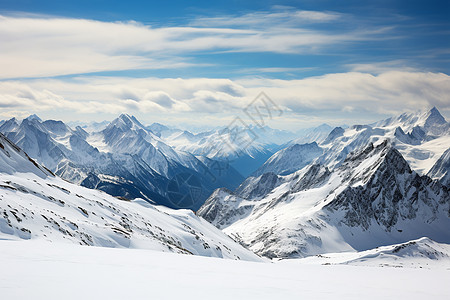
x=441, y=169
x=420, y=253
x=372, y=198
x=313, y=134
x=421, y=138
x=89, y=126
x=241, y=148
x=290, y=159
x=124, y=159
x=342, y=194
x=245, y=148
x=35, y=204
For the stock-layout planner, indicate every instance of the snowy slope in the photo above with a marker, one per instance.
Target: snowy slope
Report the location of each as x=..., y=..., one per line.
x=420, y=253
x=50, y=271
x=441, y=170
x=313, y=134
x=372, y=199
x=13, y=159
x=35, y=204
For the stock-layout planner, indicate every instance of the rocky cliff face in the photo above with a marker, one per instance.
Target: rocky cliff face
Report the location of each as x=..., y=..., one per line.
x=373, y=198
x=392, y=192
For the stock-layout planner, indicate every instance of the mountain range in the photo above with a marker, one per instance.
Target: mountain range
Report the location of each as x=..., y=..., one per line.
x=36, y=204
x=360, y=188
x=352, y=189
x=124, y=158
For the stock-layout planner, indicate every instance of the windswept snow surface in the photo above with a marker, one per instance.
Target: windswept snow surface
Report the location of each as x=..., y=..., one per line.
x=38, y=270
x=56, y=211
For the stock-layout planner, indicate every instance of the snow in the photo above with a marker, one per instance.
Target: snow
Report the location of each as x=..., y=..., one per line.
x=36, y=205
x=420, y=253
x=423, y=157
x=290, y=159
x=97, y=140
x=139, y=250
x=53, y=210
x=124, y=152
x=420, y=152
x=38, y=270
x=12, y=160
x=315, y=211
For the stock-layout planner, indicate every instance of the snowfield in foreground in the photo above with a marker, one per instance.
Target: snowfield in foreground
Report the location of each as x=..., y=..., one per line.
x=41, y=270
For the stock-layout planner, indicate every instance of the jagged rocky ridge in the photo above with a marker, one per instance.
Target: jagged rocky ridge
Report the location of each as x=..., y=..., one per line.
x=372, y=198
x=421, y=138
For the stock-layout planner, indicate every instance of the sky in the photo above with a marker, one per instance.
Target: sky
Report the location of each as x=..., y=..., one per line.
x=199, y=64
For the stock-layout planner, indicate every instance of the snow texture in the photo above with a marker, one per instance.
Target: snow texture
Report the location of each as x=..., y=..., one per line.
x=36, y=205
x=36, y=270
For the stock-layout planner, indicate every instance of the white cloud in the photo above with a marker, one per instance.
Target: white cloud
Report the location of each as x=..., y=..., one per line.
x=50, y=46
x=281, y=17
x=350, y=94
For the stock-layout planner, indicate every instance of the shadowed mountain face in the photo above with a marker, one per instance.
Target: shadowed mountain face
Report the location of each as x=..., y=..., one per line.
x=124, y=159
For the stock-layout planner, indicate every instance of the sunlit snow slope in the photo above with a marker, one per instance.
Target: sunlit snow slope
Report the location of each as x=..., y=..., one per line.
x=35, y=204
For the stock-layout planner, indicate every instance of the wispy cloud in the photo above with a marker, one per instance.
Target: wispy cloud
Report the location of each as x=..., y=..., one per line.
x=280, y=17
x=50, y=46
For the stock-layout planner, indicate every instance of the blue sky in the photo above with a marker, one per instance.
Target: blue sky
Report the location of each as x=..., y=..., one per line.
x=201, y=62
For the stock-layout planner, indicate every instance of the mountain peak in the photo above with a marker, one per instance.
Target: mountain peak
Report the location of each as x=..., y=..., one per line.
x=9, y=125
x=434, y=110
x=368, y=151
x=157, y=128
x=33, y=117
x=125, y=121
x=335, y=133
x=126, y=117
x=434, y=117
